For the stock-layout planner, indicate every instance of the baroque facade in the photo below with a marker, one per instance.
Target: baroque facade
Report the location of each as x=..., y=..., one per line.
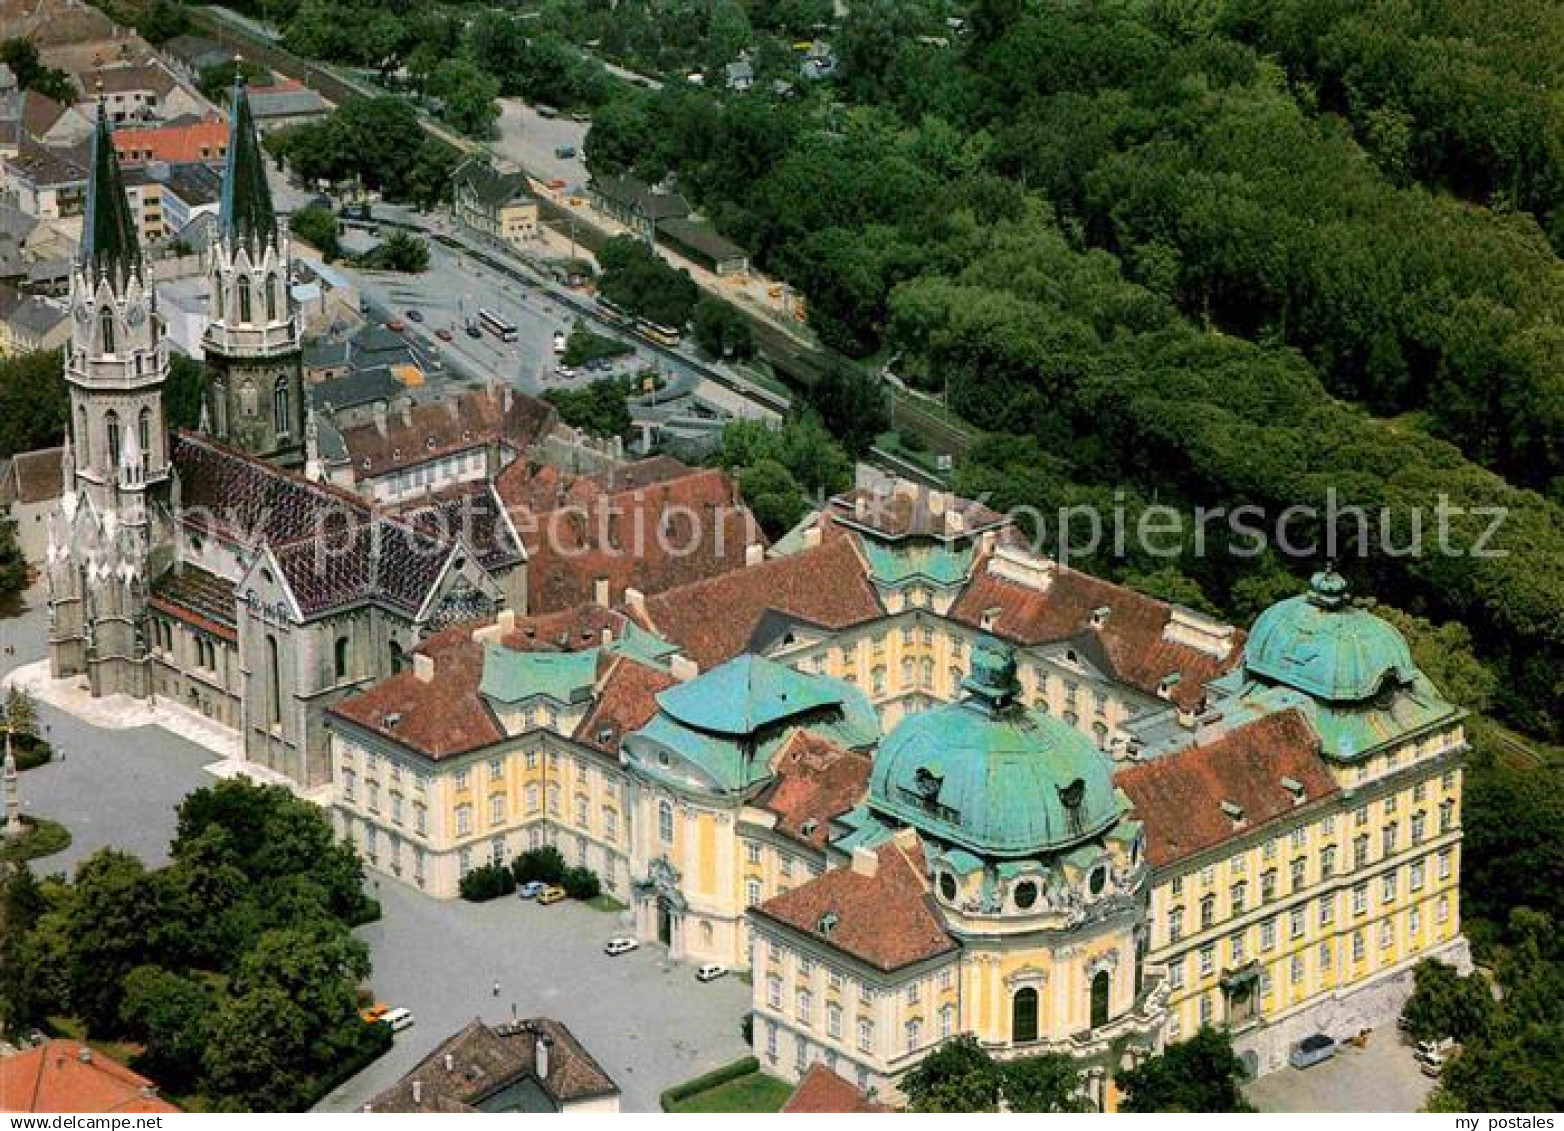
x=921, y=781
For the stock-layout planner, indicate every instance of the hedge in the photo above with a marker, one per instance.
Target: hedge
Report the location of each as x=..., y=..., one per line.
x=711, y=1080
x=43, y=838
x=30, y=750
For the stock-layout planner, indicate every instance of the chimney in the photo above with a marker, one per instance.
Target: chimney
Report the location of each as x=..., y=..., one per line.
x=607, y=636
x=860, y=508
x=600, y=591
x=1100, y=616
x=423, y=667
x=812, y=537
x=541, y=1056
x=450, y=1062
x=683, y=668
x=754, y=554
x=636, y=600
x=84, y=1054
x=865, y=862
x=418, y=1091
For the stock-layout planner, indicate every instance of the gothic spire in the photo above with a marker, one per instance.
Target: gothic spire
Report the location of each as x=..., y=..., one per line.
x=246, y=216
x=108, y=235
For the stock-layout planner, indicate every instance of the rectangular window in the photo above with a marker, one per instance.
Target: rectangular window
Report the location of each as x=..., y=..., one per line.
x=1297, y=869
x=1442, y=909
x=1176, y=975
x=1416, y=878
x=1295, y=923
x=752, y=852
x=1327, y=910
x=1357, y=946
x=1207, y=959
x=1205, y=1010
x=1295, y=969
x=803, y=1006
x=1176, y=924
x=1268, y=934
x=497, y=809
x=1235, y=946
x=463, y=820
x=496, y=769
x=461, y=779
x=1444, y=864
x=833, y=1020
x=1237, y=896
x=1360, y=899
x=865, y=1035
x=1387, y=888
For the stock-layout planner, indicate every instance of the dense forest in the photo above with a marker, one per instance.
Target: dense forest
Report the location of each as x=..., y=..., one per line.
x=1166, y=253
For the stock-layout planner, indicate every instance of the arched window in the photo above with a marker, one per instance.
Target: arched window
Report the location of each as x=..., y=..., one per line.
x=144, y=434
x=1023, y=1016
x=273, y=683
x=342, y=657
x=111, y=426
x=271, y=298
x=244, y=302
x=106, y=330
x=280, y=406
x=83, y=438
x=397, y=659
x=665, y=822
x=1100, y=987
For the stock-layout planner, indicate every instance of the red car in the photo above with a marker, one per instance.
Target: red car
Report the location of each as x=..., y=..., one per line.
x=396, y=325
x=443, y=334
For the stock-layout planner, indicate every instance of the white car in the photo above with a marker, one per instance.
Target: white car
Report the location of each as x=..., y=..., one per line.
x=620, y=944
x=710, y=972
x=399, y=1018
x=559, y=341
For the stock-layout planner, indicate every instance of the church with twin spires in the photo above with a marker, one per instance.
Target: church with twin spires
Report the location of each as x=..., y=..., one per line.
x=202, y=567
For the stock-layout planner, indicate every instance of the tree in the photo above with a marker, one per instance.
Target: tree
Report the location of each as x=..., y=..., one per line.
x=467, y=95
x=1051, y=1082
x=400, y=251
x=1200, y=1074
x=486, y=882
x=13, y=565
x=317, y=227
x=542, y=865
x=581, y=883
x=21, y=713
x=33, y=402
x=184, y=391
x=600, y=408
x=852, y=406
x=31, y=73
x=721, y=330
x=170, y=1014
x=1446, y=1005
x=110, y=927
x=773, y=496
x=162, y=20
x=957, y=1076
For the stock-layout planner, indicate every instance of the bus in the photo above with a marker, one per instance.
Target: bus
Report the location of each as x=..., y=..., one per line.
x=498, y=326
x=611, y=311
x=664, y=335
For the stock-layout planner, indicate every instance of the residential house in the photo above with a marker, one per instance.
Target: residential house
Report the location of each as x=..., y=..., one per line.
x=205, y=140
x=29, y=323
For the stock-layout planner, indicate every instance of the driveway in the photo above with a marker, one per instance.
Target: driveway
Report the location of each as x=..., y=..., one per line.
x=646, y=1020
x=1382, y=1076
x=114, y=788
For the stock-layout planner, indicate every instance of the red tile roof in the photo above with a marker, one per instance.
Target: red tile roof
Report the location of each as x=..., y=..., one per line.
x=1179, y=796
x=714, y=620
x=816, y=782
x=436, y=429
x=195, y=141
x=626, y=702
x=822, y=1092
x=1129, y=643
x=887, y=920
x=66, y=1076
x=650, y=537
x=439, y=718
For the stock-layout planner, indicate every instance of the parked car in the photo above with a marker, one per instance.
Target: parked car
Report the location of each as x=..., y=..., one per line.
x=373, y=1013
x=416, y=315
x=396, y=325
x=564, y=152
x=532, y=889
x=1432, y=1056
x=710, y=972
x=551, y=895
x=559, y=341
x=565, y=371
x=1311, y=1051
x=473, y=331
x=620, y=944
x=398, y=1018
x=444, y=334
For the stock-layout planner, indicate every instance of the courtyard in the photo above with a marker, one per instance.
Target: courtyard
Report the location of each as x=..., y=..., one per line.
x=1381, y=1076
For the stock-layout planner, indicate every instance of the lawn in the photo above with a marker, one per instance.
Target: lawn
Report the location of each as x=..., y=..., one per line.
x=752, y=1092
x=42, y=838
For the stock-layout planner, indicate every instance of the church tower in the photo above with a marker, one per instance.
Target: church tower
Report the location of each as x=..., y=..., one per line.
x=255, y=400
x=116, y=457
x=117, y=359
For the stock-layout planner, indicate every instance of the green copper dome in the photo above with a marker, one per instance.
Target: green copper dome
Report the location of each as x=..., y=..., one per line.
x=1321, y=644
x=991, y=776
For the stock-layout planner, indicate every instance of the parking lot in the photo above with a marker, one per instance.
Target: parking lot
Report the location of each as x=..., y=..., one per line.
x=1381, y=1076
x=646, y=1020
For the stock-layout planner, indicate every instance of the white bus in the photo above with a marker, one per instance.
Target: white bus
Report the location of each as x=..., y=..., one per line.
x=498, y=326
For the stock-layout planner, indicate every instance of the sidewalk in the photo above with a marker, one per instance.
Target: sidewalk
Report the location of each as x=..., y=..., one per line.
x=121, y=712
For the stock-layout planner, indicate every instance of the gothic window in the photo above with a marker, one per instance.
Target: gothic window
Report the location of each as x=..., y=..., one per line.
x=342, y=657
x=244, y=302
x=248, y=399
x=144, y=433
x=83, y=439
x=665, y=822
x=273, y=683
x=280, y=406
x=271, y=298
x=106, y=329
x=397, y=660
x=1023, y=1016
x=111, y=426
x=1100, y=987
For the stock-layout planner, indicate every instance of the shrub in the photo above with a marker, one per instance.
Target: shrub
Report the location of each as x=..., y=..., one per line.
x=581, y=883
x=488, y=882
x=42, y=838
x=544, y=864
x=30, y=750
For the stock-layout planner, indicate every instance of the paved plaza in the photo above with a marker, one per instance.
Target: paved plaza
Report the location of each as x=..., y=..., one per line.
x=646, y=1020
x=1381, y=1076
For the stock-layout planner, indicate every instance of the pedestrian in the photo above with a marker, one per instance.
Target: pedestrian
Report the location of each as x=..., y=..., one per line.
x=496, y=987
